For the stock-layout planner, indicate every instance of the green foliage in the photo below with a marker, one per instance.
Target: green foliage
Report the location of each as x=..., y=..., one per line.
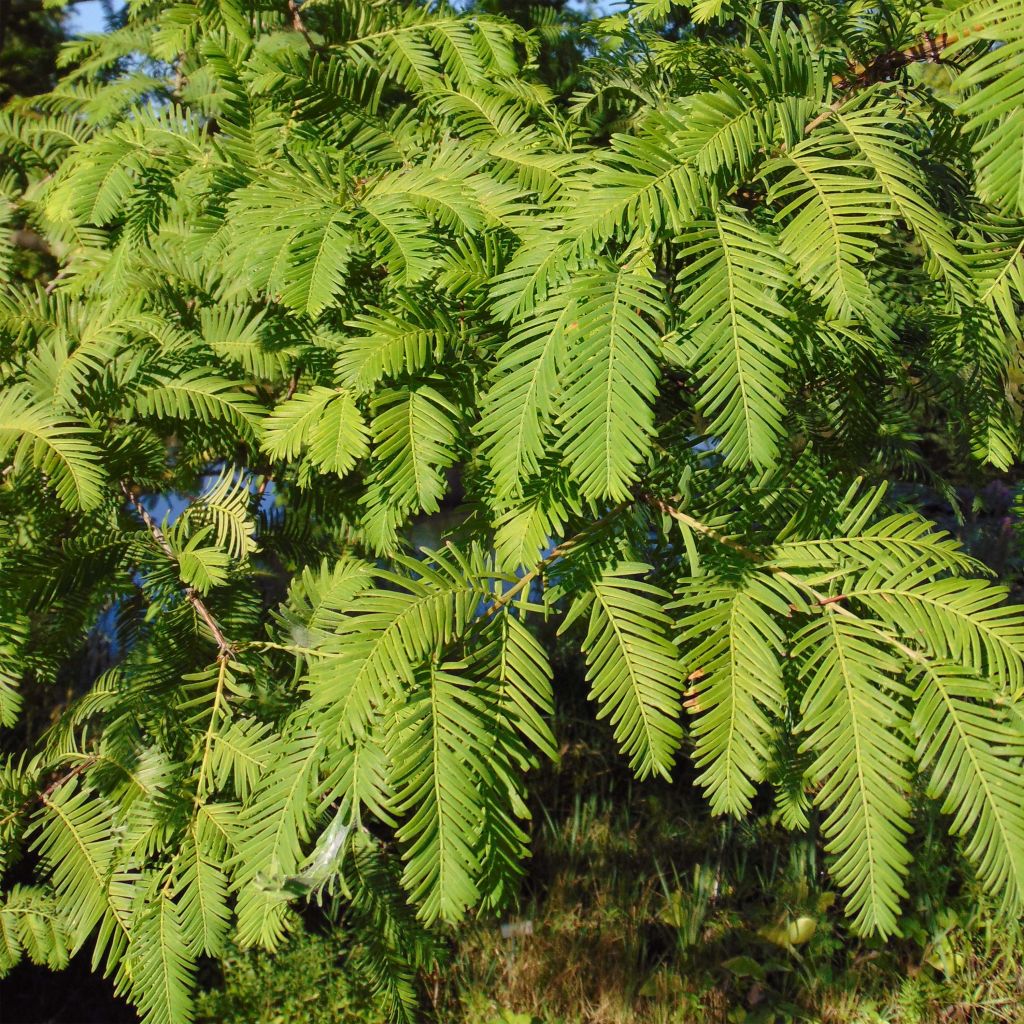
x=324, y=270
x=310, y=981
x=633, y=668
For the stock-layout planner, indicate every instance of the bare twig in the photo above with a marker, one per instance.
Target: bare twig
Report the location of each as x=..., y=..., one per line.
x=26, y=238
x=527, y=578
x=66, y=777
x=51, y=285
x=824, y=115
x=44, y=794
x=300, y=26
x=560, y=551
x=697, y=526
x=928, y=49
x=226, y=650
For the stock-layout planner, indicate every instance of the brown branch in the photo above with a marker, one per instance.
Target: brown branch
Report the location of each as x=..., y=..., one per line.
x=300, y=26
x=66, y=777
x=558, y=552
x=697, y=525
x=26, y=238
x=51, y=285
x=928, y=50
x=527, y=578
x=824, y=115
x=226, y=650
x=43, y=795
x=293, y=383
x=820, y=599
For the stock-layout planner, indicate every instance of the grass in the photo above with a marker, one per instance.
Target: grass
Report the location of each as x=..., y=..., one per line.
x=646, y=911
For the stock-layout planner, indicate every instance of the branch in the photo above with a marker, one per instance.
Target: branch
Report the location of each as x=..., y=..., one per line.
x=226, y=650
x=66, y=777
x=527, y=578
x=819, y=599
x=823, y=116
x=929, y=50
x=51, y=285
x=300, y=26
x=26, y=238
x=698, y=526
x=44, y=794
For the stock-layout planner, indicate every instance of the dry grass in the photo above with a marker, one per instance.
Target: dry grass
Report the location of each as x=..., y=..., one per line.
x=604, y=889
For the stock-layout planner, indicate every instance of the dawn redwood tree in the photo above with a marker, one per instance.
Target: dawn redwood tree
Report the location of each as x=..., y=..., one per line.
x=324, y=267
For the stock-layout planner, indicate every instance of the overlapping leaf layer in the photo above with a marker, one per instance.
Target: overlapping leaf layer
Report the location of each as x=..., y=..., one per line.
x=322, y=269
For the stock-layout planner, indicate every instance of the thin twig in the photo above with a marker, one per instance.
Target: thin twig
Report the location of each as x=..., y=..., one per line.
x=44, y=794
x=824, y=115
x=527, y=578
x=820, y=599
x=225, y=648
x=928, y=50
x=698, y=526
x=66, y=777
x=300, y=26
x=558, y=552
x=51, y=285
x=290, y=648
